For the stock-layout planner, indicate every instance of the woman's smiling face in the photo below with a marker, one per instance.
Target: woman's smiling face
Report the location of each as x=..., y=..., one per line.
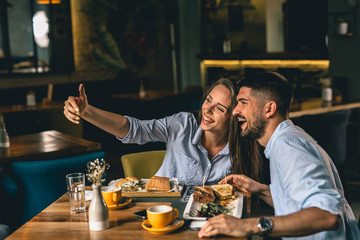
x=216, y=110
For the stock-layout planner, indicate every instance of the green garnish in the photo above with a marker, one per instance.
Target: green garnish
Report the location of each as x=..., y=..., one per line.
x=211, y=209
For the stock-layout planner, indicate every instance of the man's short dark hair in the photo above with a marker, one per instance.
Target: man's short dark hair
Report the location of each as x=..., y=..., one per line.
x=270, y=86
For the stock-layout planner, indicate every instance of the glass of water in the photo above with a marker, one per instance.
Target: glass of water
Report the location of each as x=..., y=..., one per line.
x=76, y=187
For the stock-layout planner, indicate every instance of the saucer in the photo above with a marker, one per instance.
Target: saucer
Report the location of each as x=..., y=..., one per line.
x=124, y=202
x=176, y=224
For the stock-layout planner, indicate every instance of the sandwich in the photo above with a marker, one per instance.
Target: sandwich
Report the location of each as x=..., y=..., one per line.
x=224, y=191
x=158, y=184
x=130, y=184
x=204, y=194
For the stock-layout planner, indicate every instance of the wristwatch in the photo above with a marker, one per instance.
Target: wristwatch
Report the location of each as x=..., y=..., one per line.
x=265, y=225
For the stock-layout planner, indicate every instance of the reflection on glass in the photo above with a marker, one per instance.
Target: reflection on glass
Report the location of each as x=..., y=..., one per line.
x=41, y=29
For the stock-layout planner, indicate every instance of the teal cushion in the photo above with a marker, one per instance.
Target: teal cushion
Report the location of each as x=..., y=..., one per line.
x=9, y=186
x=8, y=210
x=8, y=189
x=42, y=182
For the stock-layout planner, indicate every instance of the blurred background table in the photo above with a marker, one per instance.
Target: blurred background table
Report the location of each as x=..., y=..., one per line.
x=314, y=106
x=45, y=145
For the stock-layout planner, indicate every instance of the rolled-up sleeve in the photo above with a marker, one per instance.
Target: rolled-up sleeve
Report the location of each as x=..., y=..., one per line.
x=304, y=177
x=144, y=131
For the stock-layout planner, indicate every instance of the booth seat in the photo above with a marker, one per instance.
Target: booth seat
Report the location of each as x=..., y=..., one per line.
x=4, y=231
x=42, y=182
x=8, y=189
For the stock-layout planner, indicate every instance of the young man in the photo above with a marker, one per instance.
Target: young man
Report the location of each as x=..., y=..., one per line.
x=305, y=188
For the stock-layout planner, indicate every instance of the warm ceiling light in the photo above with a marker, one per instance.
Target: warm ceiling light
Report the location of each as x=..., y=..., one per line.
x=48, y=1
x=323, y=64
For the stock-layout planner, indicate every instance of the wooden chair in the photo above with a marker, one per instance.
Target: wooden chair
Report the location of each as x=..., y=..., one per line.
x=142, y=164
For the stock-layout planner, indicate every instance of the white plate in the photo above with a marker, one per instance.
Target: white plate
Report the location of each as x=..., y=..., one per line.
x=192, y=208
x=176, y=186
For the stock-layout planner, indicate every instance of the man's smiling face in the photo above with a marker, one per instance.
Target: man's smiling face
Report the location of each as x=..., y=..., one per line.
x=249, y=114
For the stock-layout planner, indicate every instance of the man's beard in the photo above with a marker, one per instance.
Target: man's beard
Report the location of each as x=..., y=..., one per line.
x=257, y=130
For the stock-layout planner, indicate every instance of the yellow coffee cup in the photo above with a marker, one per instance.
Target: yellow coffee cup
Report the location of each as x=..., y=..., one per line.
x=161, y=215
x=111, y=194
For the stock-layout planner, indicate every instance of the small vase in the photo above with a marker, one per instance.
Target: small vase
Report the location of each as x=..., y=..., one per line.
x=98, y=211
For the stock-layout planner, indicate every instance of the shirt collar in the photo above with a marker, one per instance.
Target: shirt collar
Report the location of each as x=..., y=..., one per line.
x=225, y=151
x=196, y=140
x=284, y=124
x=197, y=136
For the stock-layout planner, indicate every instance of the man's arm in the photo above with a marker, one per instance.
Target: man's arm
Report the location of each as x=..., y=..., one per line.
x=305, y=222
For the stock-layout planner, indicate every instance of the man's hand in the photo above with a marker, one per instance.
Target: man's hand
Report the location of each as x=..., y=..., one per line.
x=303, y=223
x=246, y=184
x=243, y=183
x=230, y=226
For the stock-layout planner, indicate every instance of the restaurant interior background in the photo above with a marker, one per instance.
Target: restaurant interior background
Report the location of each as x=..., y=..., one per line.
x=172, y=50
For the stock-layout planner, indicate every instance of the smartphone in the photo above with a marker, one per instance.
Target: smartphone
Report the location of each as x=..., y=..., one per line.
x=141, y=214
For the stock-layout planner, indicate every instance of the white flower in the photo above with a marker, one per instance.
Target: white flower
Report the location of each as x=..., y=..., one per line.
x=96, y=170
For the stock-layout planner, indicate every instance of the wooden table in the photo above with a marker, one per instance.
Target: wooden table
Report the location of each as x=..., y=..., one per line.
x=45, y=145
x=56, y=222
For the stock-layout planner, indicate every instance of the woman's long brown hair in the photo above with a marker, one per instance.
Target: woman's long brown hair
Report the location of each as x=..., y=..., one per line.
x=244, y=152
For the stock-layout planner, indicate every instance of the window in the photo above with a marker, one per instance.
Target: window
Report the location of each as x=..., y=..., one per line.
x=29, y=39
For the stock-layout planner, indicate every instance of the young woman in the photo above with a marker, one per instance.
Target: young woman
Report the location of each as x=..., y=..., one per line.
x=194, y=148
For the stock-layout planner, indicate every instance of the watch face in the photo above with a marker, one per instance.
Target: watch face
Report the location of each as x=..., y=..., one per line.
x=265, y=224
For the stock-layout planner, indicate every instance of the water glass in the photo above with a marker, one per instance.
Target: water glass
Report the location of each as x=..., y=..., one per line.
x=76, y=187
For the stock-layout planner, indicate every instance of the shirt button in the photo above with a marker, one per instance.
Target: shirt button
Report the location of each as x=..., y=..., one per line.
x=209, y=165
x=308, y=182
